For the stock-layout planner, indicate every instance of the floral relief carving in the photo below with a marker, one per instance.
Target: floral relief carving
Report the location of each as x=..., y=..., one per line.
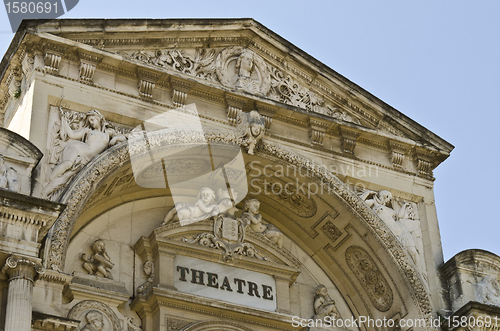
x=331, y=231
x=370, y=277
x=200, y=65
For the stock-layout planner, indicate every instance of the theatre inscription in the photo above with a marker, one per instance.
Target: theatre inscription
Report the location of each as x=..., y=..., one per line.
x=221, y=282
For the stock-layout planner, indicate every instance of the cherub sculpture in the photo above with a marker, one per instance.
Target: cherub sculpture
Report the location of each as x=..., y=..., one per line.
x=323, y=305
x=99, y=263
x=203, y=208
x=253, y=219
x=251, y=126
x=81, y=146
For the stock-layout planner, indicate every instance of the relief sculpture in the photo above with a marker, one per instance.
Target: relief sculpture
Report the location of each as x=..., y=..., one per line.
x=488, y=291
x=77, y=140
x=228, y=230
x=251, y=126
x=401, y=218
x=323, y=305
x=253, y=220
x=8, y=176
x=99, y=263
x=370, y=277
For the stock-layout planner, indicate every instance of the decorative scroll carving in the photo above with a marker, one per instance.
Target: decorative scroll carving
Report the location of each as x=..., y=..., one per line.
x=285, y=89
x=251, y=127
x=149, y=270
x=397, y=216
x=424, y=162
x=99, y=263
x=342, y=115
x=398, y=152
x=253, y=220
x=348, y=140
x=95, y=316
x=76, y=139
x=201, y=65
x=370, y=277
x=323, y=305
x=8, y=177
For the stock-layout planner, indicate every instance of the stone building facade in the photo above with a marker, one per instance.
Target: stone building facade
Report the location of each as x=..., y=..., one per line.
x=209, y=175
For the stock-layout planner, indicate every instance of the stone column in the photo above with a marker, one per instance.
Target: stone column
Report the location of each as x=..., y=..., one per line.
x=21, y=272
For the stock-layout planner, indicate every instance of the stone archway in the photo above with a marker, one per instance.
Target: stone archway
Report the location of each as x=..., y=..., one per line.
x=79, y=190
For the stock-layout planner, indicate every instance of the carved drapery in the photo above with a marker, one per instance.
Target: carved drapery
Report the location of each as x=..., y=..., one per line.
x=80, y=189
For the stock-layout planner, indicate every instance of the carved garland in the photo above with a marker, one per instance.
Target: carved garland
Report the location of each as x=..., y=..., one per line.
x=79, y=191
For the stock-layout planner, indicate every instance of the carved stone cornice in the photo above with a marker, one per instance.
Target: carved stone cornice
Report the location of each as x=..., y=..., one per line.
x=317, y=130
x=147, y=81
x=45, y=322
x=425, y=161
x=348, y=140
x=267, y=112
x=235, y=106
x=398, y=151
x=88, y=63
x=180, y=90
x=55, y=277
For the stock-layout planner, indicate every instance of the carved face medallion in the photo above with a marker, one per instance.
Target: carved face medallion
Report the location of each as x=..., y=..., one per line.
x=240, y=68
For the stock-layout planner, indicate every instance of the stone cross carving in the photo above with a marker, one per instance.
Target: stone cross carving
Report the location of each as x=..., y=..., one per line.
x=78, y=140
x=323, y=305
x=99, y=263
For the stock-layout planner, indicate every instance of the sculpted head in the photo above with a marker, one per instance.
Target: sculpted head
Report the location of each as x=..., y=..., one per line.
x=98, y=246
x=207, y=195
x=252, y=206
x=95, y=120
x=95, y=319
x=245, y=63
x=385, y=197
x=321, y=290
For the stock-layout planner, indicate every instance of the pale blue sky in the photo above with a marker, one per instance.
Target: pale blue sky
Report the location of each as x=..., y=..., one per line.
x=435, y=61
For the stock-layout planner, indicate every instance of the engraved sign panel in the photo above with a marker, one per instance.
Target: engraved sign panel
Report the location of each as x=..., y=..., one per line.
x=226, y=283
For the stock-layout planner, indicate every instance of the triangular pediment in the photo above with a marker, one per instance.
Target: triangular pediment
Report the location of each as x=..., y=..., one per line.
x=228, y=60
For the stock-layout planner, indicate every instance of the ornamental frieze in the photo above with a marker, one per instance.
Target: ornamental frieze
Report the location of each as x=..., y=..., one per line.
x=369, y=276
x=242, y=69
